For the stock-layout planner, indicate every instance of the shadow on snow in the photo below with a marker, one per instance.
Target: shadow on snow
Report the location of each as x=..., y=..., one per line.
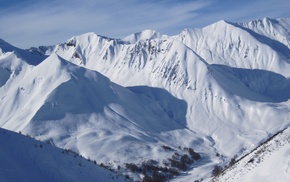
x=253, y=84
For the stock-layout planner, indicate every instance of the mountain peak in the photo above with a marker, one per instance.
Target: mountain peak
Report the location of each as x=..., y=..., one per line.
x=220, y=89
x=142, y=35
x=25, y=55
x=85, y=39
x=3, y=42
x=6, y=47
x=220, y=23
x=91, y=35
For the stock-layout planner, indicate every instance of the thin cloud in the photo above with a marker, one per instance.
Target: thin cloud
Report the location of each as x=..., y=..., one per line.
x=47, y=22
x=43, y=22
x=243, y=11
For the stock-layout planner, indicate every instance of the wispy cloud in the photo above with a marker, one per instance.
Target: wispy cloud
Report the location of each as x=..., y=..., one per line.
x=42, y=22
x=242, y=11
x=47, y=22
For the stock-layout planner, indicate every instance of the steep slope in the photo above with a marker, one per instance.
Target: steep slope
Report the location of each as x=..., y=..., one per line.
x=268, y=162
x=233, y=45
x=25, y=159
x=81, y=110
x=220, y=71
x=221, y=89
x=28, y=56
x=276, y=29
x=161, y=60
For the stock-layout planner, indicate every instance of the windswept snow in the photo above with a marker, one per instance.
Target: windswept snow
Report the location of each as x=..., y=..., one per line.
x=221, y=90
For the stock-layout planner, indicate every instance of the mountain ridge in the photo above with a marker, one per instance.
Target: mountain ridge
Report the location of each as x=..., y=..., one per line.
x=213, y=89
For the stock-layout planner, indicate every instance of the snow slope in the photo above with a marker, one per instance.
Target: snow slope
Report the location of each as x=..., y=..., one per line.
x=221, y=71
x=276, y=29
x=221, y=90
x=25, y=55
x=269, y=162
x=81, y=110
x=233, y=45
x=25, y=159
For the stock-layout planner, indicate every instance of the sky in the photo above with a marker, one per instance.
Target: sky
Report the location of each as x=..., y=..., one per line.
x=27, y=23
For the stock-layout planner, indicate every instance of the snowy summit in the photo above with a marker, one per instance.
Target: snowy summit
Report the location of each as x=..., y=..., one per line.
x=193, y=106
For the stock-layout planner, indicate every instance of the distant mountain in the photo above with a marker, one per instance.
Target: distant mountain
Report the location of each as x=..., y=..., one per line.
x=25, y=159
x=219, y=90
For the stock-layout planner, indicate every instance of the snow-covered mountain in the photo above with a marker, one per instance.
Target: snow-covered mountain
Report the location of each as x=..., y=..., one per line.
x=25, y=159
x=220, y=90
x=268, y=162
x=81, y=110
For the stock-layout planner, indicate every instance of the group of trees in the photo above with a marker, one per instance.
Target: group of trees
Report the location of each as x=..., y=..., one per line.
x=171, y=167
x=217, y=169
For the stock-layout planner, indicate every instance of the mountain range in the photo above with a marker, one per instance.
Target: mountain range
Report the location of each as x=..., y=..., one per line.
x=187, y=102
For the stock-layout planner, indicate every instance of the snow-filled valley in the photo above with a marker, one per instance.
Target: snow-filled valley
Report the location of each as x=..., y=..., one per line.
x=178, y=104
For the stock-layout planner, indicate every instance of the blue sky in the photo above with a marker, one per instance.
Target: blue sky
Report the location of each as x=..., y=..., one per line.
x=26, y=23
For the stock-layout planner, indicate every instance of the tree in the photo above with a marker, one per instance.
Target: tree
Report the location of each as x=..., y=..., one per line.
x=216, y=170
